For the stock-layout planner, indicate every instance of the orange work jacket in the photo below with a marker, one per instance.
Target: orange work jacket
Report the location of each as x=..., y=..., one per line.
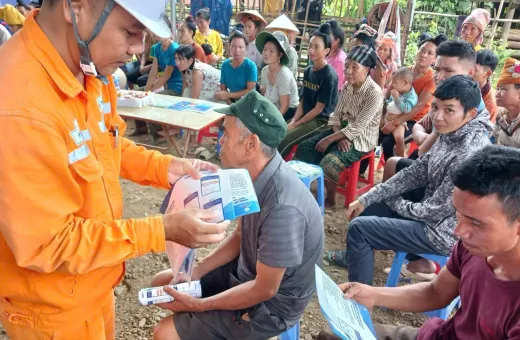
x=63, y=241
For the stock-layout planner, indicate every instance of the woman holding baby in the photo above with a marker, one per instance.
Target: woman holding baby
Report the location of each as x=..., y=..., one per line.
x=354, y=125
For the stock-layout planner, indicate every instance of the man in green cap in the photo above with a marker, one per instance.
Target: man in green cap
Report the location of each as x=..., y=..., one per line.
x=257, y=283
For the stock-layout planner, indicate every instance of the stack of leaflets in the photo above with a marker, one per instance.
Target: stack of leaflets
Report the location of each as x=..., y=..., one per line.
x=348, y=319
x=229, y=193
x=305, y=169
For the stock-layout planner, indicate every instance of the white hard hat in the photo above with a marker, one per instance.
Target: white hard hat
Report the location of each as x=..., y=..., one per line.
x=149, y=13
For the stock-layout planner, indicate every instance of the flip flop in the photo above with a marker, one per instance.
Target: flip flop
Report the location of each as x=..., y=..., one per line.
x=339, y=258
x=414, y=276
x=198, y=151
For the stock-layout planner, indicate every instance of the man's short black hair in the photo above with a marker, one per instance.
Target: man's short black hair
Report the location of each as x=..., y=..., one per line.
x=493, y=170
x=487, y=58
x=457, y=48
x=462, y=88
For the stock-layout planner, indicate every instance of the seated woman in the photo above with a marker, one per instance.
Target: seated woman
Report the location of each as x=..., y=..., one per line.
x=424, y=86
x=254, y=23
x=238, y=74
x=366, y=35
x=319, y=94
x=337, y=56
x=387, y=52
x=200, y=80
x=507, y=127
x=187, y=32
x=354, y=124
x=277, y=82
x=206, y=35
x=474, y=26
x=164, y=73
x=285, y=25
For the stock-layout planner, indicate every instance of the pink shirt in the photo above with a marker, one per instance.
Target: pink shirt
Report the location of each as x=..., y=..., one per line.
x=338, y=63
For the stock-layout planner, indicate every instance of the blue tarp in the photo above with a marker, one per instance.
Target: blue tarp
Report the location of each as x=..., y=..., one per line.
x=6, y=2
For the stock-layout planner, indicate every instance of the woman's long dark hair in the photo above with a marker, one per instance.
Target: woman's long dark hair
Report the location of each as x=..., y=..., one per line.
x=190, y=23
x=324, y=33
x=186, y=52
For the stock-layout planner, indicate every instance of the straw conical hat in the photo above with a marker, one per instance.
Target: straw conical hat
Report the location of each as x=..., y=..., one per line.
x=253, y=13
x=282, y=23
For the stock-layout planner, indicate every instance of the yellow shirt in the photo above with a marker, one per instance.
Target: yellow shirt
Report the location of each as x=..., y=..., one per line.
x=213, y=38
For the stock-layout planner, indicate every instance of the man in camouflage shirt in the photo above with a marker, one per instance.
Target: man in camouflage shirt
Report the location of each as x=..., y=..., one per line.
x=390, y=221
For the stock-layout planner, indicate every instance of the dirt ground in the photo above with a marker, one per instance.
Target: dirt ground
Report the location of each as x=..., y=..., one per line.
x=135, y=322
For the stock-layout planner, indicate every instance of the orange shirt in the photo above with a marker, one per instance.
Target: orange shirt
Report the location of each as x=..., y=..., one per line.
x=199, y=53
x=491, y=105
x=420, y=85
x=63, y=241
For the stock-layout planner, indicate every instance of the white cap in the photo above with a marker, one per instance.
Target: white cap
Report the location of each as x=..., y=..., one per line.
x=149, y=13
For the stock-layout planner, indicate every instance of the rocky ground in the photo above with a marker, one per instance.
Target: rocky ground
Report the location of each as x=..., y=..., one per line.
x=135, y=322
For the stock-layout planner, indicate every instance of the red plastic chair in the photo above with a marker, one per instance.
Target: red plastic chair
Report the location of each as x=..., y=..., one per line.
x=382, y=161
x=206, y=133
x=291, y=153
x=349, y=179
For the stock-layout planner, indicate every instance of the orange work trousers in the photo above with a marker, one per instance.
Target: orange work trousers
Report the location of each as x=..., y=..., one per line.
x=96, y=322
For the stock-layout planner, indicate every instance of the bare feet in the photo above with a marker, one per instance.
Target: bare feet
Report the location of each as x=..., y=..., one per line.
x=422, y=266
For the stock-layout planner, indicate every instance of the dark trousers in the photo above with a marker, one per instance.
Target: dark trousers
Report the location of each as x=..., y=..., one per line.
x=381, y=228
x=387, y=143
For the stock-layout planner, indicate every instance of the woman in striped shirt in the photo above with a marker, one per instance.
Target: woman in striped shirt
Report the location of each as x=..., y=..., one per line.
x=354, y=124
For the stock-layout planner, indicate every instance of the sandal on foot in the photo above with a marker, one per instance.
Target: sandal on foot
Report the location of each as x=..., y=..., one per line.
x=405, y=273
x=338, y=257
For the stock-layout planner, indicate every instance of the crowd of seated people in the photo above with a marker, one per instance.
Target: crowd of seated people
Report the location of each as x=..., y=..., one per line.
x=350, y=102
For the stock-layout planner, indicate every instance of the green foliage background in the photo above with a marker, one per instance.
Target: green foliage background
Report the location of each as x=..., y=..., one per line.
x=424, y=23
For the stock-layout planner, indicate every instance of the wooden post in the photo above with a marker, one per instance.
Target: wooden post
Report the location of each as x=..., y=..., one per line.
x=361, y=9
x=183, y=5
x=495, y=24
x=305, y=24
x=507, y=25
x=293, y=8
x=407, y=28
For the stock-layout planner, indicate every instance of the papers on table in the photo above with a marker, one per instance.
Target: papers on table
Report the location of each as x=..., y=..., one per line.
x=184, y=106
x=347, y=318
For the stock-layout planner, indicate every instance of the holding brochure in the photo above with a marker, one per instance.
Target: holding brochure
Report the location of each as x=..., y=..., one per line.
x=229, y=193
x=348, y=319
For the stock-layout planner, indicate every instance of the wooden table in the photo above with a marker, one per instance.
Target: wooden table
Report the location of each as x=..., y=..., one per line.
x=168, y=118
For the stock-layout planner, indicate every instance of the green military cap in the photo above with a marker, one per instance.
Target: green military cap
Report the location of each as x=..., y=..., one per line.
x=260, y=116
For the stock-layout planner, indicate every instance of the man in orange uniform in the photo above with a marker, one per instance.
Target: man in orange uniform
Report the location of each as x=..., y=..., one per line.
x=62, y=240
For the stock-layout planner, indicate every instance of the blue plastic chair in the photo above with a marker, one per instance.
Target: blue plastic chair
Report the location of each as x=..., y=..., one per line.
x=291, y=334
x=220, y=134
x=307, y=180
x=393, y=280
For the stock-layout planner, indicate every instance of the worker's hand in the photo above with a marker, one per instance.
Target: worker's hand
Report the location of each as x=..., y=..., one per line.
x=189, y=228
x=355, y=209
x=188, y=166
x=361, y=293
x=182, y=302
